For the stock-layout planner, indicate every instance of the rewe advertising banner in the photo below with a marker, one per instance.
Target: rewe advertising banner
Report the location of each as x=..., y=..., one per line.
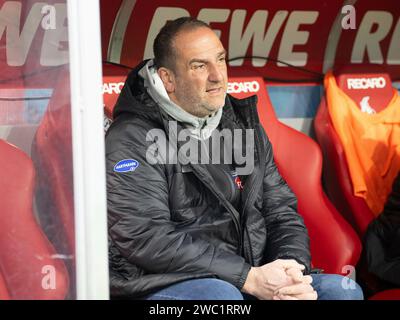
x=263, y=36
x=314, y=35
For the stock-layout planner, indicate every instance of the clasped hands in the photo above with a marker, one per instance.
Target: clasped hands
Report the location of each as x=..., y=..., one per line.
x=279, y=280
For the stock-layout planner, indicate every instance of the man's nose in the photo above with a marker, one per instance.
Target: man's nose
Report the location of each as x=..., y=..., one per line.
x=215, y=74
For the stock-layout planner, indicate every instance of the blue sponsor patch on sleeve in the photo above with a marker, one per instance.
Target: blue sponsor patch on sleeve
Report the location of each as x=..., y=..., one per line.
x=126, y=165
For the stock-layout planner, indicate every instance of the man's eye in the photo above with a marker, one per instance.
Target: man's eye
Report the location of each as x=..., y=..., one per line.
x=199, y=66
x=222, y=59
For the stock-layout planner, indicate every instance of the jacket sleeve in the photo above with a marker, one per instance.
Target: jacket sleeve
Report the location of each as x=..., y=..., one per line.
x=140, y=224
x=287, y=236
x=382, y=239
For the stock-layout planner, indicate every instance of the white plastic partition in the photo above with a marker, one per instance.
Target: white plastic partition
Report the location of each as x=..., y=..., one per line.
x=88, y=150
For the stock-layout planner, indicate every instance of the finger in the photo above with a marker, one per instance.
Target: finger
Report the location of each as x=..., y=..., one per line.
x=276, y=277
x=290, y=263
x=297, y=277
x=307, y=296
x=307, y=279
x=295, y=289
x=287, y=297
x=295, y=274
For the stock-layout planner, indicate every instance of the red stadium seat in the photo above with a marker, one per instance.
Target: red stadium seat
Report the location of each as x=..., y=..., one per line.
x=113, y=81
x=334, y=244
x=26, y=255
x=338, y=184
x=336, y=174
x=52, y=156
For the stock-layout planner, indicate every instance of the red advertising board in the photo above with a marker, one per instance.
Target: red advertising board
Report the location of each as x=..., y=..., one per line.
x=285, y=30
x=33, y=41
x=307, y=34
x=376, y=38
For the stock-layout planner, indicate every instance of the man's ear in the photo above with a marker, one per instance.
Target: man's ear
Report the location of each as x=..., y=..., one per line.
x=167, y=78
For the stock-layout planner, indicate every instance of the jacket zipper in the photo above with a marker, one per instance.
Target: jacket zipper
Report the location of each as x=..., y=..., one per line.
x=252, y=194
x=233, y=212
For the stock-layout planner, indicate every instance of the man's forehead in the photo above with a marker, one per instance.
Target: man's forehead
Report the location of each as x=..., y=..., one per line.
x=199, y=42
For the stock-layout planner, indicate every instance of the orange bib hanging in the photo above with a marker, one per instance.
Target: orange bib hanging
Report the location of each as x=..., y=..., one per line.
x=371, y=143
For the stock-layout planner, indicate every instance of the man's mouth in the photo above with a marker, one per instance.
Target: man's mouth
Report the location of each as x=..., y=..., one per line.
x=214, y=90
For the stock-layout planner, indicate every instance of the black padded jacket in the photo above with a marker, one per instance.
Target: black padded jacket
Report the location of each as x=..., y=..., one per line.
x=170, y=222
x=382, y=239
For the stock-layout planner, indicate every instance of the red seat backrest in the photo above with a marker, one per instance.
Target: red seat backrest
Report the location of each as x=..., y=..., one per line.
x=113, y=80
x=357, y=83
x=52, y=155
x=334, y=243
x=25, y=253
